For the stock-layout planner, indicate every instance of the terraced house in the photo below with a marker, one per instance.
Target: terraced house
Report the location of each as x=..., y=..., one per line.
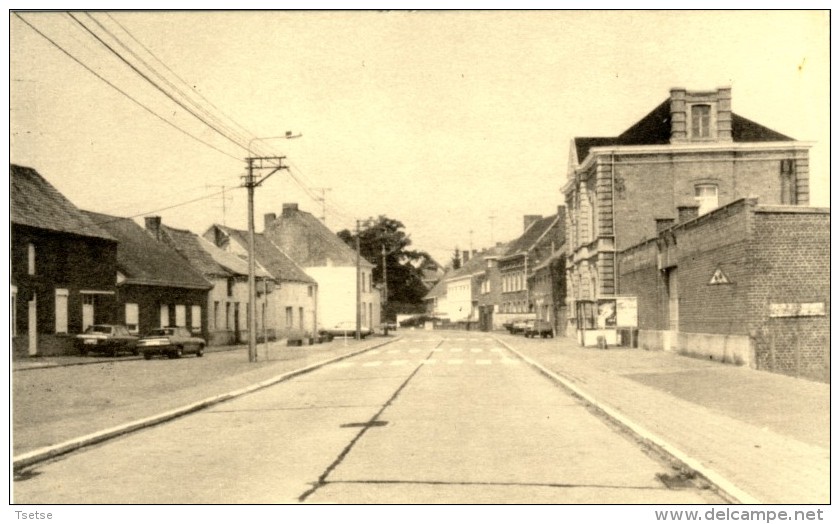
x=689, y=156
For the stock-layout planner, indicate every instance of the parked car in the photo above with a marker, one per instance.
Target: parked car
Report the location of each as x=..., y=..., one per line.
x=344, y=329
x=107, y=338
x=173, y=342
x=539, y=328
x=518, y=326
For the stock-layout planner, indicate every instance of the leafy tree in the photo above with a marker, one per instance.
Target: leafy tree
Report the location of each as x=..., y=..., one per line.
x=456, y=259
x=404, y=266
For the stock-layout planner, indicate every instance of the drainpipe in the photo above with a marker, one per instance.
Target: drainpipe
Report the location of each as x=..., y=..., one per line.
x=615, y=246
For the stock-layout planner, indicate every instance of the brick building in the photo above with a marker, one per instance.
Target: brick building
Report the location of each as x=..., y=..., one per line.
x=690, y=155
x=63, y=267
x=547, y=285
x=155, y=286
x=745, y=283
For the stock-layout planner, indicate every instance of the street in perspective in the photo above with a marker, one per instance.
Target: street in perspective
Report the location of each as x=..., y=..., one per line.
x=398, y=259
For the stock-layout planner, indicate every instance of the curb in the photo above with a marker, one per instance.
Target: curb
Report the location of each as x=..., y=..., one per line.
x=725, y=487
x=39, y=455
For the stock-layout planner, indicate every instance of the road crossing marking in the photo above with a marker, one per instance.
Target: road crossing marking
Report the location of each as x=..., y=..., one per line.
x=456, y=350
x=372, y=364
x=430, y=361
x=455, y=361
x=374, y=352
x=476, y=350
x=399, y=362
x=392, y=351
x=496, y=350
x=507, y=360
x=414, y=350
x=438, y=350
x=483, y=362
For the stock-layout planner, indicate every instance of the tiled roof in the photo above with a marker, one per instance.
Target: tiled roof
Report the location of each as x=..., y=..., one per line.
x=206, y=257
x=309, y=242
x=531, y=235
x=36, y=203
x=476, y=263
x=144, y=260
x=438, y=290
x=655, y=129
x=270, y=256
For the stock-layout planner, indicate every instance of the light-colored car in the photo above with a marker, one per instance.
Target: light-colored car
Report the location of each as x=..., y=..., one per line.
x=173, y=342
x=344, y=329
x=107, y=338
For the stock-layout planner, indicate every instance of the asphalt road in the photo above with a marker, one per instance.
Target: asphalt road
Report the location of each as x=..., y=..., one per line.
x=431, y=418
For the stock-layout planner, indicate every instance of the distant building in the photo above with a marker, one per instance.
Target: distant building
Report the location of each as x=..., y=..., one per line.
x=328, y=260
x=293, y=302
x=547, y=296
x=63, y=267
x=227, y=302
x=687, y=157
x=155, y=286
x=745, y=283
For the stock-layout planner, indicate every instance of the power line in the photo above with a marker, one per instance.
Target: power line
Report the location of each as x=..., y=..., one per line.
x=155, y=84
x=195, y=104
x=100, y=77
x=246, y=132
x=173, y=206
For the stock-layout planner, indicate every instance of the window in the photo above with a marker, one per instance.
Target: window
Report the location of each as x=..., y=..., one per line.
x=310, y=290
x=215, y=315
x=227, y=315
x=88, y=309
x=230, y=282
x=181, y=315
x=706, y=196
x=701, y=115
x=132, y=317
x=30, y=257
x=788, y=182
x=300, y=316
x=363, y=282
x=195, y=318
x=289, y=318
x=164, y=315
x=61, y=310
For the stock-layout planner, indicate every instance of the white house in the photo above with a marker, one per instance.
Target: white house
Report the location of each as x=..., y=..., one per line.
x=328, y=260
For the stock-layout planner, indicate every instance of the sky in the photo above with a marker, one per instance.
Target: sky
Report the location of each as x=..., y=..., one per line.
x=455, y=123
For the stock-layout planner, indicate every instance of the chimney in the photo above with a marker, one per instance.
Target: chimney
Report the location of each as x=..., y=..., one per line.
x=268, y=219
x=663, y=223
x=686, y=213
x=289, y=209
x=153, y=226
x=527, y=220
x=724, y=114
x=679, y=122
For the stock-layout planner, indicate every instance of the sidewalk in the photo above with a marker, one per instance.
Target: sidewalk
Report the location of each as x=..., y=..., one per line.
x=766, y=435
x=61, y=401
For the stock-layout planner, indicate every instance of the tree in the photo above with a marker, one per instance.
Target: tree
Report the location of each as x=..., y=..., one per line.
x=456, y=259
x=404, y=266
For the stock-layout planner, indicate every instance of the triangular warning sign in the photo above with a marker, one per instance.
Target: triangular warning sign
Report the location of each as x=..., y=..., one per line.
x=719, y=277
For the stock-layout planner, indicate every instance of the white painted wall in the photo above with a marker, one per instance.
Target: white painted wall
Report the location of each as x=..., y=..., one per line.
x=337, y=296
x=458, y=305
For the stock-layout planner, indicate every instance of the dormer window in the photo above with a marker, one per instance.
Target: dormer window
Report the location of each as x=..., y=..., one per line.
x=701, y=121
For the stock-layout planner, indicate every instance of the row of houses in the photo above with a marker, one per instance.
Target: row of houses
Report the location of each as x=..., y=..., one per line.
x=71, y=268
x=690, y=232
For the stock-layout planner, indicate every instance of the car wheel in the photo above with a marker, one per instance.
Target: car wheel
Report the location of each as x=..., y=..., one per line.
x=83, y=352
x=200, y=352
x=147, y=356
x=179, y=352
x=135, y=352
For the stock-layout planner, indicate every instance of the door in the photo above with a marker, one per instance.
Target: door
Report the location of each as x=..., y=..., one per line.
x=673, y=301
x=32, y=326
x=87, y=311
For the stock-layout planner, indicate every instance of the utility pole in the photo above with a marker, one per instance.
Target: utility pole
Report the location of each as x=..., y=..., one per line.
x=225, y=198
x=272, y=164
x=492, y=241
x=323, y=201
x=384, y=277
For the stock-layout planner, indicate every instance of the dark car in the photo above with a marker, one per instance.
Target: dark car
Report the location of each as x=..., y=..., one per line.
x=344, y=329
x=539, y=328
x=173, y=342
x=107, y=338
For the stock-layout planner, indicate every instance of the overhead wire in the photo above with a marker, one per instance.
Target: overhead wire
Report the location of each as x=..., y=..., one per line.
x=156, y=85
x=121, y=91
x=160, y=76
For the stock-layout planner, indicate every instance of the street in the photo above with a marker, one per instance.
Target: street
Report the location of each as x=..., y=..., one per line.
x=435, y=417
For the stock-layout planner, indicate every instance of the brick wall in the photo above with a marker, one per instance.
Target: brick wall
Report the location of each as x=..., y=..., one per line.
x=792, y=265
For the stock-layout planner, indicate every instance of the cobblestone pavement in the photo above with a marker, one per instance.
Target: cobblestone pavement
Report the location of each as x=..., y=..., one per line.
x=767, y=434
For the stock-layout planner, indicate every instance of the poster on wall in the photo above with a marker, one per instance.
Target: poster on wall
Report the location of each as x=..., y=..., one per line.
x=606, y=313
x=627, y=312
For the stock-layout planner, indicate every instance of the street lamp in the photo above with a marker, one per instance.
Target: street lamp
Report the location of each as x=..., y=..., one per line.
x=274, y=164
